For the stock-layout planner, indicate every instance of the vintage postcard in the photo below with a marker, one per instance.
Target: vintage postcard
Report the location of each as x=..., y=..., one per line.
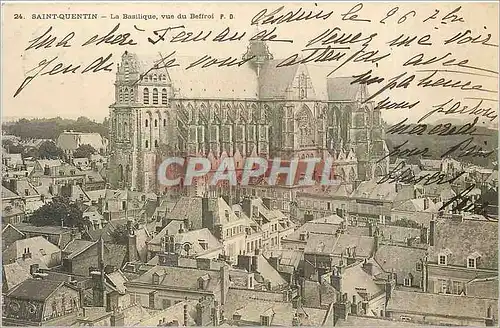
x=250, y=164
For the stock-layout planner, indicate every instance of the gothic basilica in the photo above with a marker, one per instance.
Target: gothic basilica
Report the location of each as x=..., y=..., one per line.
x=256, y=109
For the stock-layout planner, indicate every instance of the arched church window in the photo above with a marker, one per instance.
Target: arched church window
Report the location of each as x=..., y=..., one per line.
x=126, y=68
x=131, y=95
x=125, y=130
x=163, y=96
x=156, y=123
x=155, y=78
x=120, y=94
x=146, y=96
x=147, y=123
x=147, y=144
x=156, y=143
x=155, y=96
x=125, y=95
x=164, y=122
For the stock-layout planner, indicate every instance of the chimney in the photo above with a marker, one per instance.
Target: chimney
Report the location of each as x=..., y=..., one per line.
x=131, y=242
x=368, y=267
x=354, y=305
x=246, y=206
x=185, y=317
x=224, y=272
x=340, y=310
x=186, y=224
x=336, y=278
x=27, y=253
x=426, y=203
x=424, y=231
x=207, y=214
x=158, y=201
x=432, y=233
x=33, y=268
x=389, y=286
x=255, y=263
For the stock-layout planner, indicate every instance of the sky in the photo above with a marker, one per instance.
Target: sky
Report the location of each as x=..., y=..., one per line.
x=90, y=94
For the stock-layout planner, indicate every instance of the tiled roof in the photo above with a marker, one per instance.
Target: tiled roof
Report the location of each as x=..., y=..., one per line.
x=483, y=287
x=13, y=275
x=173, y=313
x=76, y=246
x=36, y=290
x=194, y=237
x=330, y=245
x=6, y=193
x=440, y=304
x=38, y=246
x=465, y=238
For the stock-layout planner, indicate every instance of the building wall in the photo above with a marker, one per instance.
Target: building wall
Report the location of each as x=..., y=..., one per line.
x=163, y=298
x=146, y=117
x=436, y=320
x=63, y=301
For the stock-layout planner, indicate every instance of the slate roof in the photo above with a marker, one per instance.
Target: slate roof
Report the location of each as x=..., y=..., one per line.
x=288, y=257
x=252, y=304
x=373, y=190
x=341, y=89
x=396, y=233
x=188, y=208
x=415, y=205
x=207, y=82
x=76, y=246
x=355, y=281
x=35, y=290
x=182, y=278
x=71, y=140
x=174, y=312
x=327, y=244
x=269, y=273
x=440, y=304
x=400, y=260
x=274, y=81
x=465, y=238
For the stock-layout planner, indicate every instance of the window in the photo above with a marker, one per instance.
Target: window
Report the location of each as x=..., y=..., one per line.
x=407, y=282
x=145, y=96
x=156, y=143
x=147, y=123
x=264, y=320
x=166, y=303
x=164, y=96
x=156, y=279
x=419, y=266
x=147, y=144
x=155, y=96
x=471, y=263
x=127, y=70
x=125, y=95
x=156, y=123
x=164, y=122
x=457, y=287
x=442, y=260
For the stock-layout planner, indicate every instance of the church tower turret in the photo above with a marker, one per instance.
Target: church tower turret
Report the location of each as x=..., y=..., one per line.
x=259, y=53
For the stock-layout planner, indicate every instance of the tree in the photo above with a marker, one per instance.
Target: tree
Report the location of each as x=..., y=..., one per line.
x=48, y=149
x=119, y=234
x=84, y=151
x=60, y=211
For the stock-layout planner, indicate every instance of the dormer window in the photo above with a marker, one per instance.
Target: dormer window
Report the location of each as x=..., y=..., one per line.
x=264, y=320
x=472, y=260
x=443, y=260
x=443, y=257
x=156, y=278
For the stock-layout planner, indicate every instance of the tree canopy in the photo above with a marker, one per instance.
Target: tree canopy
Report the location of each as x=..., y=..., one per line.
x=84, y=151
x=49, y=150
x=60, y=211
